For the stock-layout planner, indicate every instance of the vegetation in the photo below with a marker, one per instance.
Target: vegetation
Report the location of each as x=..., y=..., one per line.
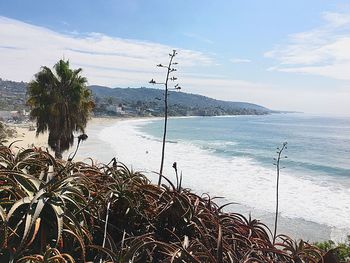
x=147, y=101
x=340, y=251
x=169, y=69
x=55, y=211
x=137, y=102
x=12, y=95
x=60, y=103
x=64, y=211
x=5, y=133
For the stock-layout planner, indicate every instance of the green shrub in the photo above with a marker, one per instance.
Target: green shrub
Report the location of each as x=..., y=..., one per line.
x=341, y=250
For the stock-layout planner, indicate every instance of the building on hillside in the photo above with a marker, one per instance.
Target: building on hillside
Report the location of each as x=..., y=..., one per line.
x=116, y=109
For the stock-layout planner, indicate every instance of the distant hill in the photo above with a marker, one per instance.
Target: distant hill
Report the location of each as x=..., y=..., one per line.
x=138, y=102
x=187, y=100
x=12, y=95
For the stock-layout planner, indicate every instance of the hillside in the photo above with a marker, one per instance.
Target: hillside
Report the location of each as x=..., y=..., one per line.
x=138, y=102
x=12, y=95
x=194, y=102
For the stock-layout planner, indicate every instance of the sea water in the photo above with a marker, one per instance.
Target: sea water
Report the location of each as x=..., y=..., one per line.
x=232, y=157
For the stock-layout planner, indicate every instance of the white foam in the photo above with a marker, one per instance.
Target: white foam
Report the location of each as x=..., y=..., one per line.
x=238, y=179
x=220, y=144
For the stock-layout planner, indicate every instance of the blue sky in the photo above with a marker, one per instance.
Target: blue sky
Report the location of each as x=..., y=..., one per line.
x=291, y=55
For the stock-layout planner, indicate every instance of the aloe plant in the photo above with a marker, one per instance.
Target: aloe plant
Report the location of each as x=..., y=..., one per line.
x=51, y=211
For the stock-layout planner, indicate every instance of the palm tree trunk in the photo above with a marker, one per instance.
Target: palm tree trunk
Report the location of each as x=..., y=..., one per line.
x=58, y=151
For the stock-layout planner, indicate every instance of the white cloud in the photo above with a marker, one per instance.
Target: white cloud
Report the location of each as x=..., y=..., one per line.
x=322, y=51
x=24, y=48
x=336, y=19
x=121, y=62
x=240, y=60
x=110, y=61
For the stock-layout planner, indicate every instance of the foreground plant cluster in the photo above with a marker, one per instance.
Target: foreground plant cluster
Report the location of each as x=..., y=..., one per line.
x=56, y=211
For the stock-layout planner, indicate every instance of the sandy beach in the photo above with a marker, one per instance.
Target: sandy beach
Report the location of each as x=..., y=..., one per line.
x=27, y=138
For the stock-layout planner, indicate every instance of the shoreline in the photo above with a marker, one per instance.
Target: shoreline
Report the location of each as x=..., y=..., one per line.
x=102, y=151
x=295, y=226
x=27, y=138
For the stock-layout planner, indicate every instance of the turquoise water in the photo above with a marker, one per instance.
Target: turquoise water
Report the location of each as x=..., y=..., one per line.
x=232, y=157
x=317, y=146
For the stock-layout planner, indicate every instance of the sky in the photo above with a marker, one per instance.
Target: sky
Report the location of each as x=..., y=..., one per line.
x=285, y=55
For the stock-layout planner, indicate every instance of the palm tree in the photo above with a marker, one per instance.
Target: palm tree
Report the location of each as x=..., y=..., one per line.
x=3, y=134
x=60, y=103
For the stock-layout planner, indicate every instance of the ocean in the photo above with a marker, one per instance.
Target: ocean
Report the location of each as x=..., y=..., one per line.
x=231, y=157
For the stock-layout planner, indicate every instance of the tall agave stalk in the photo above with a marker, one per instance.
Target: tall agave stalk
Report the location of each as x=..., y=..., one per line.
x=114, y=164
x=278, y=169
x=169, y=69
x=81, y=137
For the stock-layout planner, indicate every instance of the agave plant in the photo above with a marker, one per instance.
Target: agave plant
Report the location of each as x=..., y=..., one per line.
x=42, y=201
x=51, y=255
x=56, y=211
